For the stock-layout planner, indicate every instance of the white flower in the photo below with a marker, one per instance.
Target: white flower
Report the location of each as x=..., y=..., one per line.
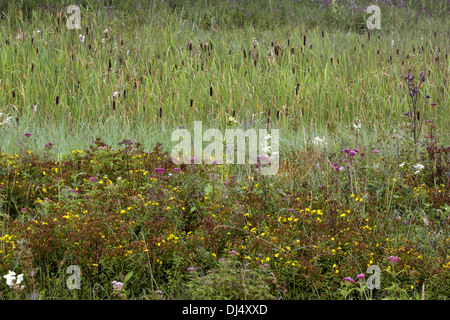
x=268, y=137
x=103, y=40
x=115, y=94
x=401, y=165
x=357, y=126
x=10, y=277
x=4, y=119
x=106, y=30
x=320, y=142
x=19, y=279
x=266, y=149
x=81, y=37
x=418, y=167
x=12, y=281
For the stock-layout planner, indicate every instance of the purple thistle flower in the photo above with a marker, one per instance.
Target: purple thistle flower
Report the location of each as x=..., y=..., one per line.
x=348, y=280
x=92, y=179
x=360, y=276
x=376, y=151
x=160, y=170
x=27, y=134
x=233, y=252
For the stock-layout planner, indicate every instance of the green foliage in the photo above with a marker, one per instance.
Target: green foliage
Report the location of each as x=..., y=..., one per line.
x=231, y=281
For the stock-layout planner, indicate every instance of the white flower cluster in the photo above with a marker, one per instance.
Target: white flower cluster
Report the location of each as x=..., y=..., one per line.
x=318, y=142
x=418, y=167
x=265, y=147
x=4, y=119
x=12, y=281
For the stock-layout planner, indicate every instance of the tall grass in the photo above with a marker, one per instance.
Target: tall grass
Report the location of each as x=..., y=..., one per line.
x=164, y=71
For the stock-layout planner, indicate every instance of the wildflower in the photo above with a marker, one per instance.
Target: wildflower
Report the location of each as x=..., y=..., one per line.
x=27, y=135
x=117, y=285
x=81, y=37
x=433, y=104
x=266, y=265
x=418, y=167
x=360, y=276
x=176, y=170
x=376, y=151
x=92, y=179
x=348, y=280
x=12, y=281
x=160, y=170
x=392, y=259
x=320, y=142
x=233, y=252
x=4, y=119
x=192, y=269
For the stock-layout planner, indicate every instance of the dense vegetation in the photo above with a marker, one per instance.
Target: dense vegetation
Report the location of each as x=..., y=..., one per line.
x=87, y=179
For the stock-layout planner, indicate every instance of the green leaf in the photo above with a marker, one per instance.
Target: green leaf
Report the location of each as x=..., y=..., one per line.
x=128, y=276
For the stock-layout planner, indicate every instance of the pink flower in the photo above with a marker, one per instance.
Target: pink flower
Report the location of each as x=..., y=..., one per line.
x=376, y=151
x=233, y=252
x=117, y=285
x=392, y=259
x=348, y=280
x=360, y=276
x=192, y=269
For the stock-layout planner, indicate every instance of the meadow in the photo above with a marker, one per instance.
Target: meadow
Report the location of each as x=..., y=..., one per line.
x=87, y=181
